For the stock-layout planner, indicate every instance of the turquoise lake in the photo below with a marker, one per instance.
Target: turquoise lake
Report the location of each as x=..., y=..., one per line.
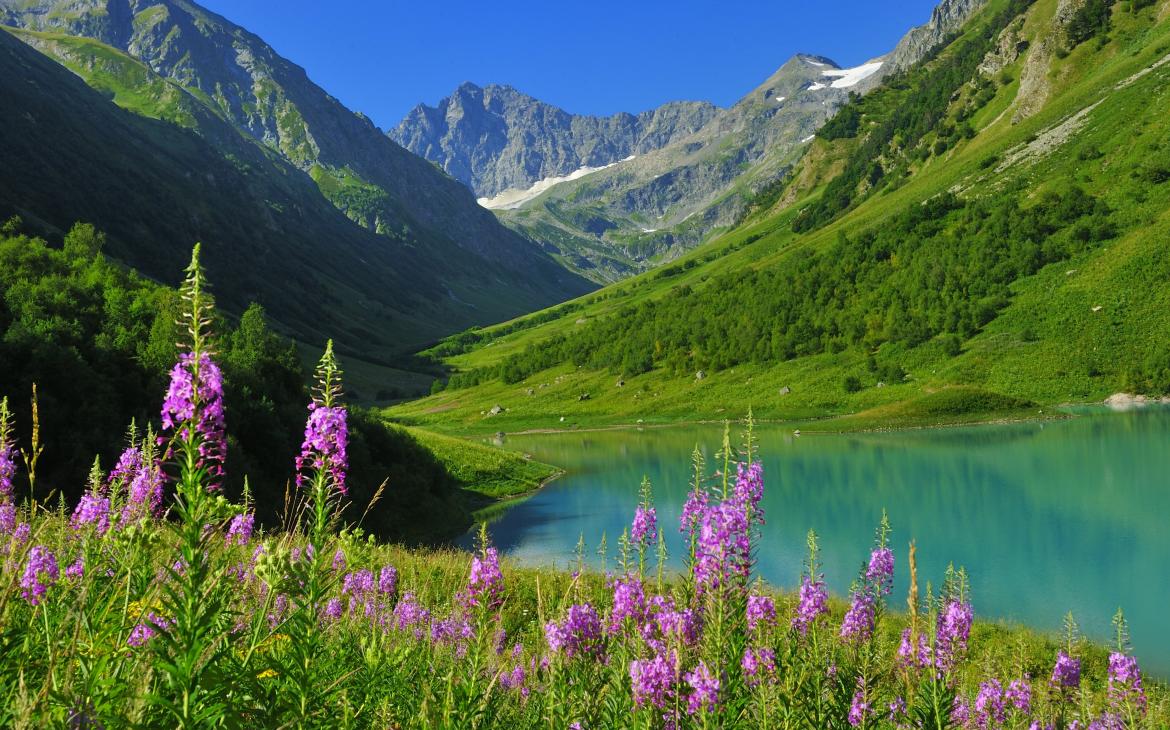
x=1047, y=517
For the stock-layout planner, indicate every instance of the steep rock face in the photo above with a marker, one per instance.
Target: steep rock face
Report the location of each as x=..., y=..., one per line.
x=496, y=138
x=948, y=16
x=273, y=101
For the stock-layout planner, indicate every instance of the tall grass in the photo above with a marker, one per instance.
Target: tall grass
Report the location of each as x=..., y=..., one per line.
x=154, y=604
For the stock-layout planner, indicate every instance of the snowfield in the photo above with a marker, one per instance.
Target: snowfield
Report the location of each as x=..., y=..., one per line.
x=846, y=77
x=512, y=198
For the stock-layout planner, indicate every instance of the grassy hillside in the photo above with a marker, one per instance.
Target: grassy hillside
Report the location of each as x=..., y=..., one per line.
x=1035, y=276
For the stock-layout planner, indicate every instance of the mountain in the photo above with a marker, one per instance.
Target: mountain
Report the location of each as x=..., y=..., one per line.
x=982, y=234
x=607, y=206
x=637, y=213
x=395, y=251
x=496, y=138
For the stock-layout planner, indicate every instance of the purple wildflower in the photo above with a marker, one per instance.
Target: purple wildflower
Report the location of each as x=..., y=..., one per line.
x=858, y=624
x=129, y=463
x=960, y=711
x=7, y=462
x=39, y=574
x=692, y=511
x=644, y=531
x=898, y=711
x=333, y=609
x=757, y=664
x=1019, y=694
x=760, y=609
x=7, y=517
x=653, y=680
x=239, y=529
x=858, y=708
x=880, y=572
x=629, y=601
x=76, y=569
x=409, y=614
x=145, y=489
x=723, y=552
x=990, y=710
x=814, y=602
x=683, y=625
x=358, y=584
x=486, y=583
x=325, y=443
x=388, y=580
x=515, y=679
x=953, y=631
x=705, y=689
x=749, y=487
x=195, y=401
x=145, y=630
x=1066, y=674
x=139, y=635
x=580, y=634
x=443, y=630
x=92, y=510
x=1125, y=680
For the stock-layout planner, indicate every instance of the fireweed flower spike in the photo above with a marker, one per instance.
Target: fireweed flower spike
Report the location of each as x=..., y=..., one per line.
x=323, y=455
x=193, y=410
x=40, y=573
x=644, y=530
x=704, y=689
x=7, y=453
x=813, y=595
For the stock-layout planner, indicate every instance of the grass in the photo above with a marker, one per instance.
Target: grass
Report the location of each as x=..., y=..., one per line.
x=488, y=473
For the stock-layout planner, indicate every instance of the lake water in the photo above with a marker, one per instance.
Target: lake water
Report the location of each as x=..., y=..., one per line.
x=1047, y=517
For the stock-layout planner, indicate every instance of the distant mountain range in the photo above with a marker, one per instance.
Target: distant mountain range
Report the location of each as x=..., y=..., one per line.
x=496, y=138
x=616, y=195
x=228, y=142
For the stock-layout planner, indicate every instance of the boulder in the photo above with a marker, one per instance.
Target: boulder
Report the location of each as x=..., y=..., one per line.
x=785, y=390
x=496, y=410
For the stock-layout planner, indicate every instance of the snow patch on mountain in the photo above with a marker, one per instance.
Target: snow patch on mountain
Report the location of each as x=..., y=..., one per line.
x=512, y=199
x=846, y=77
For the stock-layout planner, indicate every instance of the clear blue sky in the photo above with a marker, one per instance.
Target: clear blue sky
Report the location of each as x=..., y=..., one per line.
x=382, y=57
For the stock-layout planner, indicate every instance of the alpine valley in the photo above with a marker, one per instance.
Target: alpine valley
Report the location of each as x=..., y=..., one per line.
x=513, y=417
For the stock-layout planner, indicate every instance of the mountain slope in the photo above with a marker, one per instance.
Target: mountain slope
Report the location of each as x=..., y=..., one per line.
x=496, y=138
x=416, y=258
x=248, y=84
x=985, y=260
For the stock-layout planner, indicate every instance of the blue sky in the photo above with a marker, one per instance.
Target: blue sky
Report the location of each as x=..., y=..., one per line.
x=382, y=57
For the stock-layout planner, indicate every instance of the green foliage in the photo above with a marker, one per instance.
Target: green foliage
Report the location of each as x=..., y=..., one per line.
x=487, y=471
x=906, y=110
x=1090, y=20
x=845, y=123
x=941, y=268
x=98, y=341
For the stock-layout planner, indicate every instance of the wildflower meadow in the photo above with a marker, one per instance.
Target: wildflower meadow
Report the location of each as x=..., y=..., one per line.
x=157, y=602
